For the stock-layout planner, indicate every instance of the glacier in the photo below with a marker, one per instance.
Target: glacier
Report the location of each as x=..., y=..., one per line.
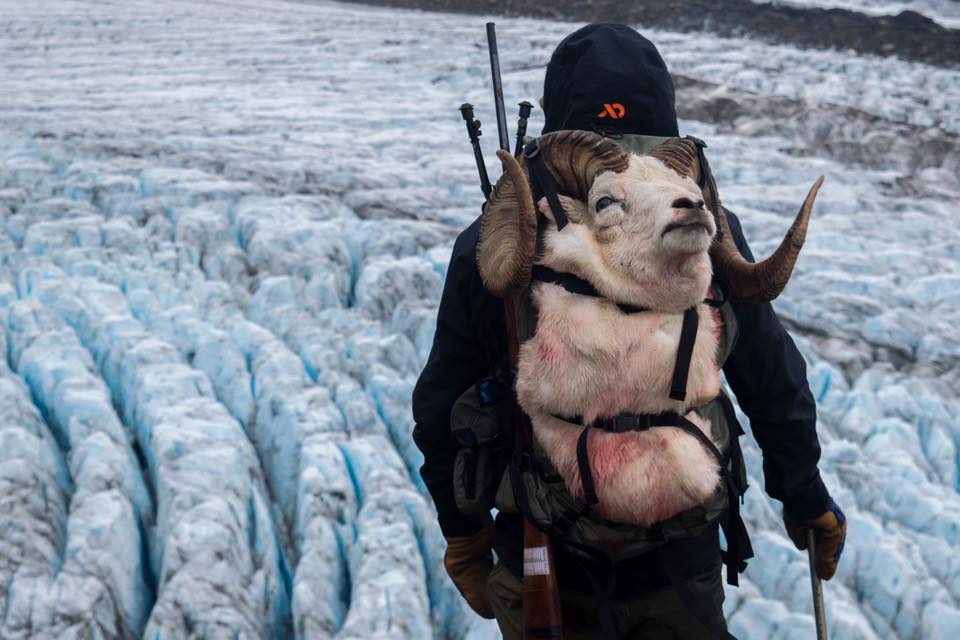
x=224, y=230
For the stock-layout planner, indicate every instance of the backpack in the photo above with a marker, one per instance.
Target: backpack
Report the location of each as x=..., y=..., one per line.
x=490, y=471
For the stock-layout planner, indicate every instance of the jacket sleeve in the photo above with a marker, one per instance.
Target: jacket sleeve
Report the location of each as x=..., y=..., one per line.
x=769, y=377
x=456, y=362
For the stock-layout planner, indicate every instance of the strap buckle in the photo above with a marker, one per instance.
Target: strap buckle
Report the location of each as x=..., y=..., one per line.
x=635, y=422
x=532, y=150
x=625, y=422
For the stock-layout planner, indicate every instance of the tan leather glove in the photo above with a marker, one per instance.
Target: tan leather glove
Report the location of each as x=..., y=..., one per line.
x=830, y=530
x=468, y=562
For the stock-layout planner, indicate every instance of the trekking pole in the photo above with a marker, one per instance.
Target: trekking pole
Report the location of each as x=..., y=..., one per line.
x=473, y=130
x=497, y=87
x=818, y=608
x=525, y=109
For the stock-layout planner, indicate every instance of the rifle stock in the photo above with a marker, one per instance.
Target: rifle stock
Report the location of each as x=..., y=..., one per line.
x=542, y=616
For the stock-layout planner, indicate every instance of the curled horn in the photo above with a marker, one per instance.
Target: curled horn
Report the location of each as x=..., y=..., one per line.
x=763, y=281
x=755, y=283
x=508, y=228
x=508, y=231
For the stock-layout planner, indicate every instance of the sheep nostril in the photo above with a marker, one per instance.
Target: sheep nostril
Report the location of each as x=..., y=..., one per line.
x=686, y=203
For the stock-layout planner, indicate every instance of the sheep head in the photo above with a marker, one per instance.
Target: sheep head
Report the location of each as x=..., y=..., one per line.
x=508, y=229
x=642, y=236
x=639, y=229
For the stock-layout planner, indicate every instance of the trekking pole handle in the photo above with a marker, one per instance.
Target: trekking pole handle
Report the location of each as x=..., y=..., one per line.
x=525, y=109
x=473, y=131
x=819, y=612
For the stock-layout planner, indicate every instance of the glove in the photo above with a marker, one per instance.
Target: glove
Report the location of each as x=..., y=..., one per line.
x=468, y=562
x=830, y=531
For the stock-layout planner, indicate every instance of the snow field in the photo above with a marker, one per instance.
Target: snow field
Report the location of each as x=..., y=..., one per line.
x=227, y=226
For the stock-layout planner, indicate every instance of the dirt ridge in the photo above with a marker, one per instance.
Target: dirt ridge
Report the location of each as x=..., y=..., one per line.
x=908, y=35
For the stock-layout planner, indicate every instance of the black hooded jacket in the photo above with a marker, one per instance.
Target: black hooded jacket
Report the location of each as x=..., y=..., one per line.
x=765, y=370
x=609, y=79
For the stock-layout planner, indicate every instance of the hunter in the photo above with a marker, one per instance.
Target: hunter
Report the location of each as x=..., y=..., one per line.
x=608, y=79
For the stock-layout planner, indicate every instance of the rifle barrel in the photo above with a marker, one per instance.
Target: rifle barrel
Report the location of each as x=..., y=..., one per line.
x=497, y=87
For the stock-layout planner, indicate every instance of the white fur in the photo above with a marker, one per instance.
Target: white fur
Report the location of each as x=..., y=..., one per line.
x=622, y=251
x=589, y=358
x=640, y=477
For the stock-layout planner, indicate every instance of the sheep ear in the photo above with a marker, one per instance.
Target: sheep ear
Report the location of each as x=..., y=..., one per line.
x=576, y=210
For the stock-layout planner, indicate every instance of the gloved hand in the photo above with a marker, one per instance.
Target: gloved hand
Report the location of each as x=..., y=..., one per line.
x=468, y=562
x=830, y=531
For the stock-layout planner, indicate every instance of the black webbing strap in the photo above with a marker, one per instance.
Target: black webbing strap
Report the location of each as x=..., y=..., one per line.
x=565, y=521
x=543, y=632
x=707, y=181
x=736, y=430
x=735, y=531
x=739, y=549
x=681, y=370
x=543, y=183
x=520, y=462
x=682, y=423
x=586, y=474
x=576, y=284
x=717, y=301
x=689, y=601
x=628, y=422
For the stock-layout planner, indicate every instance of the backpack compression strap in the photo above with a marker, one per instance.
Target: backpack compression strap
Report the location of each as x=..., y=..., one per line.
x=688, y=331
x=681, y=369
x=707, y=183
x=627, y=422
x=739, y=548
x=542, y=183
x=576, y=284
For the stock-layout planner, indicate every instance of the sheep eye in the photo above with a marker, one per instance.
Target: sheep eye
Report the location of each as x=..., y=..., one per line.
x=604, y=202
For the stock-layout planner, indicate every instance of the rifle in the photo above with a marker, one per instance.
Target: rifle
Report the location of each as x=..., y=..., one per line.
x=497, y=87
x=542, y=617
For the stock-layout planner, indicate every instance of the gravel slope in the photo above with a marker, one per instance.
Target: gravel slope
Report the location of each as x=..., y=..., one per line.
x=908, y=34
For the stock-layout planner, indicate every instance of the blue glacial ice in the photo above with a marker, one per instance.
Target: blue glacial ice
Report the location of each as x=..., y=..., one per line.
x=218, y=285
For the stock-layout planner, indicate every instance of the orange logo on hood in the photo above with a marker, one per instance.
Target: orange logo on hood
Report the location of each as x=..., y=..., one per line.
x=615, y=111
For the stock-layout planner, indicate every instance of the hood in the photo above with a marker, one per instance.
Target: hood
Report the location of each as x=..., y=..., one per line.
x=609, y=79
